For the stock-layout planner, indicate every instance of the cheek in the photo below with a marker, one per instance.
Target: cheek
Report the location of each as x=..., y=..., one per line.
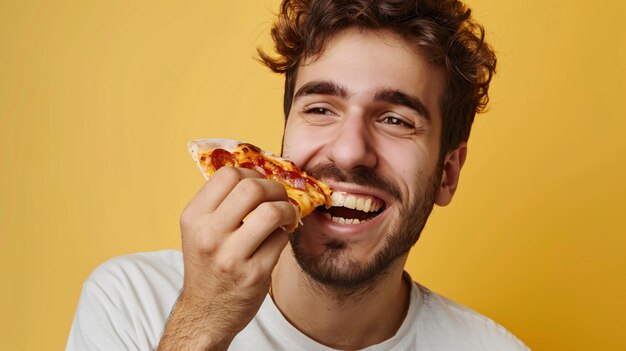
x=407, y=166
x=300, y=143
x=402, y=170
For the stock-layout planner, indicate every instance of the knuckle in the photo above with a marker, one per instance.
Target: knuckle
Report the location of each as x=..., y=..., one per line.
x=226, y=174
x=199, y=235
x=187, y=218
x=252, y=188
x=206, y=244
x=227, y=264
x=271, y=212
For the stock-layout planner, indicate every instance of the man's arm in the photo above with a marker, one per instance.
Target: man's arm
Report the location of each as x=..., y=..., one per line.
x=227, y=261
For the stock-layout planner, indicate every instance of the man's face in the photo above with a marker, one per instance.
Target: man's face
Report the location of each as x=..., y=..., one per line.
x=366, y=120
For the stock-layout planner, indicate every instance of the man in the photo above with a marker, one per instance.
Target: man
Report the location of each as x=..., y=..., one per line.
x=379, y=100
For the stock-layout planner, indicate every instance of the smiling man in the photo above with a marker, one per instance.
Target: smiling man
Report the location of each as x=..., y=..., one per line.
x=379, y=100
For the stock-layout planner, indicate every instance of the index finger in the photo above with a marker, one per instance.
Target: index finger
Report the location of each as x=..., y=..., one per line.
x=217, y=188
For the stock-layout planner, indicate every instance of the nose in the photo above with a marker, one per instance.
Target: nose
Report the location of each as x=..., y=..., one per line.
x=351, y=145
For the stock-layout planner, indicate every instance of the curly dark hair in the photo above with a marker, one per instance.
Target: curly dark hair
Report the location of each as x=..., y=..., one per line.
x=441, y=30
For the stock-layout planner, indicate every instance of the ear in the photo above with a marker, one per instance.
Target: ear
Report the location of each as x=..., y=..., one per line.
x=452, y=165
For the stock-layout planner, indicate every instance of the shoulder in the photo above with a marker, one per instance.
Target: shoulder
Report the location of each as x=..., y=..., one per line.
x=141, y=281
x=145, y=267
x=458, y=325
x=126, y=301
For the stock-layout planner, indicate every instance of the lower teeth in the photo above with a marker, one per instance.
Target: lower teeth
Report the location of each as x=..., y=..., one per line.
x=341, y=220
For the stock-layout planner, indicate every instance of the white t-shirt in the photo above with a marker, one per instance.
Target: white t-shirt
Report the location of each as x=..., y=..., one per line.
x=126, y=301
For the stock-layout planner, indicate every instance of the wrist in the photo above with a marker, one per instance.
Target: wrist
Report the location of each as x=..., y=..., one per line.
x=193, y=327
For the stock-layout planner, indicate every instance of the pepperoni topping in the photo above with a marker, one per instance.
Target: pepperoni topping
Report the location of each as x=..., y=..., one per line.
x=272, y=168
x=259, y=160
x=221, y=157
x=294, y=202
x=252, y=166
x=294, y=179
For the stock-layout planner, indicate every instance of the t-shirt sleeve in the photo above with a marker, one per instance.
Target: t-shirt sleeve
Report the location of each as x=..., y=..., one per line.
x=126, y=301
x=99, y=324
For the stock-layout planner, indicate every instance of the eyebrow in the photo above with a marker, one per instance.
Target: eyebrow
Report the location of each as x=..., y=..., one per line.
x=392, y=96
x=397, y=97
x=323, y=87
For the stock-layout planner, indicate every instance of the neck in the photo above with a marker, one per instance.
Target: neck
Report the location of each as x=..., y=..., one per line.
x=336, y=317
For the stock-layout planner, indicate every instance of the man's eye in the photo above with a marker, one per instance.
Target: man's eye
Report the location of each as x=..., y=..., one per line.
x=318, y=111
x=396, y=121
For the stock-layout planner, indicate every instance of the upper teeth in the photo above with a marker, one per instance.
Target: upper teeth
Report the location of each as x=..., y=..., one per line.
x=356, y=202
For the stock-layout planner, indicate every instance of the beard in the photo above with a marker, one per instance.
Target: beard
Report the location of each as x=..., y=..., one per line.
x=334, y=267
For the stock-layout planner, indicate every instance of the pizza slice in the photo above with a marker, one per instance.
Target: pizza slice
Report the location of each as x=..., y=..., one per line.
x=304, y=191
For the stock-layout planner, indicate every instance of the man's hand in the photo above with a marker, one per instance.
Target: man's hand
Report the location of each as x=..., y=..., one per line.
x=231, y=241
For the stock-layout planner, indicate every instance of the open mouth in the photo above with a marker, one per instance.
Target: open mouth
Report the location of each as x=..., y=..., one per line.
x=353, y=208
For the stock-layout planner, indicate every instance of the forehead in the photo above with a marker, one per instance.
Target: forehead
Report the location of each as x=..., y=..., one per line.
x=364, y=61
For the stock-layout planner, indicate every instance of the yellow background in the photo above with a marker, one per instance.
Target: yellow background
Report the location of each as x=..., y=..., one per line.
x=98, y=99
